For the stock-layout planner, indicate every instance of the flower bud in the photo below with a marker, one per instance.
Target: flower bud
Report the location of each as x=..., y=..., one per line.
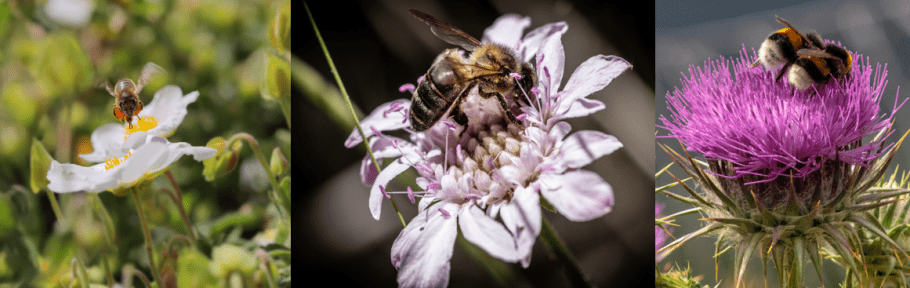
x=40, y=162
x=276, y=80
x=225, y=159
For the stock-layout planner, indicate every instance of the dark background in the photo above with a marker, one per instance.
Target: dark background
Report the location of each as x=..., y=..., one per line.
x=377, y=46
x=691, y=32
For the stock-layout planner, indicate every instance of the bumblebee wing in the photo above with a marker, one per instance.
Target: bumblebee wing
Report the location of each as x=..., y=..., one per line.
x=815, y=53
x=148, y=71
x=810, y=41
x=447, y=32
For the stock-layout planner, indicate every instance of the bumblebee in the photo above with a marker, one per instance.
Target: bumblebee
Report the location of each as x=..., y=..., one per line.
x=127, y=103
x=819, y=66
x=452, y=77
x=780, y=48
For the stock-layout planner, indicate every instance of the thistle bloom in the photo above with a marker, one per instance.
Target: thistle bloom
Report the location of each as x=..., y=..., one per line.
x=470, y=175
x=783, y=166
x=660, y=237
x=131, y=156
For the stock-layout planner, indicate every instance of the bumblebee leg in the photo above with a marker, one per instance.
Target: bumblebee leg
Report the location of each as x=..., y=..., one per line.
x=782, y=71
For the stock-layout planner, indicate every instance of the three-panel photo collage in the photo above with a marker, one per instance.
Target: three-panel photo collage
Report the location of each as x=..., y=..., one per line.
x=149, y=143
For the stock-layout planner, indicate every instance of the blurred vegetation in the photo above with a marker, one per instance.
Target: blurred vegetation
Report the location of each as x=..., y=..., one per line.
x=235, y=53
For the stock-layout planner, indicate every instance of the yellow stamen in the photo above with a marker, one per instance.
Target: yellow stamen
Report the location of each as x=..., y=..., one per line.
x=144, y=124
x=113, y=162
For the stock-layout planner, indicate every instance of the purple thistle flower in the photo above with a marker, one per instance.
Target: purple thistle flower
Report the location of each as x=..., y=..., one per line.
x=766, y=128
x=660, y=236
x=787, y=172
x=491, y=167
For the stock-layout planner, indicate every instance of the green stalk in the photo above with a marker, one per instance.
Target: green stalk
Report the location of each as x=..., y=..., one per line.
x=347, y=100
x=254, y=145
x=56, y=208
x=148, y=237
x=178, y=200
x=573, y=271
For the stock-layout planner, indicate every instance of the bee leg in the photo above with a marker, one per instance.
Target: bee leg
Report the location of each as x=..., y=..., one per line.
x=505, y=107
x=459, y=116
x=782, y=71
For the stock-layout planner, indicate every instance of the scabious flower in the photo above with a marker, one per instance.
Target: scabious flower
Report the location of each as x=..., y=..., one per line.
x=131, y=156
x=786, y=172
x=491, y=167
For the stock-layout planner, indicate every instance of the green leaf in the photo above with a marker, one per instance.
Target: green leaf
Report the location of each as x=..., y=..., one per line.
x=40, y=162
x=193, y=270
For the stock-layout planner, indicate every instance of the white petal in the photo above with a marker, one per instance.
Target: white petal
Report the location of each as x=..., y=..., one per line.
x=106, y=142
x=592, y=76
x=506, y=30
x=584, y=147
x=422, y=251
x=522, y=217
x=554, y=58
x=168, y=107
x=487, y=234
x=579, y=108
x=531, y=43
x=381, y=121
x=66, y=178
x=150, y=155
x=578, y=195
x=383, y=179
x=382, y=148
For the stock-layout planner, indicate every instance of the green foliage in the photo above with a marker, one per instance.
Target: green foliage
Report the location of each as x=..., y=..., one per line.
x=50, y=74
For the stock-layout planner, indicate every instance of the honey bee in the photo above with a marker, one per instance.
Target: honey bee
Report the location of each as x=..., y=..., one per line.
x=811, y=59
x=451, y=78
x=127, y=103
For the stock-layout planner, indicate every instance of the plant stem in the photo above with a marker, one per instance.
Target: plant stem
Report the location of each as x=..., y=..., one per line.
x=276, y=197
x=347, y=100
x=148, y=237
x=178, y=200
x=573, y=271
x=56, y=208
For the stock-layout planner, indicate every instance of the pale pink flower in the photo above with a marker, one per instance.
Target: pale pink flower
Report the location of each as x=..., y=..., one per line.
x=470, y=175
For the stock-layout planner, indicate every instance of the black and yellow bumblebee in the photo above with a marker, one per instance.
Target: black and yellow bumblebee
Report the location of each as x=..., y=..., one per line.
x=811, y=59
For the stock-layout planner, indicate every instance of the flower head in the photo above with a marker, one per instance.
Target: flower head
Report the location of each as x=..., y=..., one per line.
x=660, y=236
x=131, y=156
x=787, y=172
x=159, y=118
x=767, y=129
x=491, y=167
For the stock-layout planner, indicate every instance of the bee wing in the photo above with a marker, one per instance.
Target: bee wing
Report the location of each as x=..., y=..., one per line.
x=107, y=85
x=447, y=32
x=808, y=40
x=150, y=69
x=815, y=53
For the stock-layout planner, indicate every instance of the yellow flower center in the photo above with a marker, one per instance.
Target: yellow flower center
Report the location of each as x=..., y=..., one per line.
x=144, y=124
x=113, y=162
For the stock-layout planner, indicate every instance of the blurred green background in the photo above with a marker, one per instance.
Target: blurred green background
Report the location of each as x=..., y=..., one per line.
x=54, y=55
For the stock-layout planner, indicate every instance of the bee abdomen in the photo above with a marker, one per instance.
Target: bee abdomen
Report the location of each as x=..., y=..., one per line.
x=425, y=105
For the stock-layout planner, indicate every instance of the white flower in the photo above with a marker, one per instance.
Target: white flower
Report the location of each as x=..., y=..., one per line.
x=159, y=118
x=73, y=13
x=131, y=156
x=148, y=156
x=469, y=175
